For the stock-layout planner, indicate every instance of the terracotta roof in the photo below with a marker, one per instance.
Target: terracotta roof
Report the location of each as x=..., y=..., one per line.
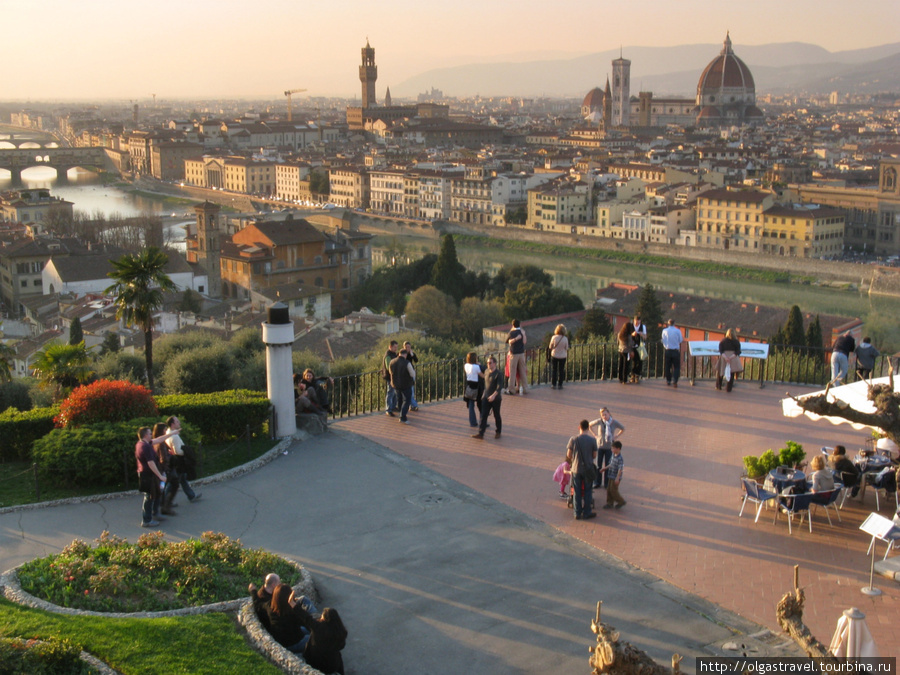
x=278, y=233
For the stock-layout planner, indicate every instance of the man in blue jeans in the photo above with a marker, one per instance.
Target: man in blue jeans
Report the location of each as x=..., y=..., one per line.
x=403, y=378
x=390, y=399
x=581, y=452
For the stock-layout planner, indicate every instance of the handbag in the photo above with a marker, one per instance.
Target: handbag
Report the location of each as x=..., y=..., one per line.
x=736, y=364
x=642, y=351
x=471, y=392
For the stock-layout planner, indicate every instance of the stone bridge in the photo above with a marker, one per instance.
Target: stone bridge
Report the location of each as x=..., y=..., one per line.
x=16, y=160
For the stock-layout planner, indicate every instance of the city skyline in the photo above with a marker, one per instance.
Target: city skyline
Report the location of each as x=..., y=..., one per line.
x=132, y=50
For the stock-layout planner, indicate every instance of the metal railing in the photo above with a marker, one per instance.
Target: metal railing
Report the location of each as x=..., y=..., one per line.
x=364, y=393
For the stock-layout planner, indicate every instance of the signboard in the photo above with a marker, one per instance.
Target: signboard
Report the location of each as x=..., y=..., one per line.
x=749, y=350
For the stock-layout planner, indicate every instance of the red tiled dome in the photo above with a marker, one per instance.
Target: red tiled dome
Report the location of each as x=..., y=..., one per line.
x=725, y=71
x=594, y=99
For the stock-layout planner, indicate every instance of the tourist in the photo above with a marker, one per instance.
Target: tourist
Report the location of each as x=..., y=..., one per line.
x=729, y=355
x=517, y=368
x=865, y=358
x=640, y=344
x=580, y=453
x=563, y=475
x=178, y=469
x=150, y=479
x=318, y=387
x=625, y=338
x=844, y=345
x=820, y=480
x=391, y=396
x=491, y=399
x=327, y=638
x=606, y=430
x=558, y=351
x=671, y=341
x=846, y=470
x=403, y=378
x=474, y=387
x=162, y=503
x=262, y=598
x=614, y=472
x=413, y=359
x=285, y=623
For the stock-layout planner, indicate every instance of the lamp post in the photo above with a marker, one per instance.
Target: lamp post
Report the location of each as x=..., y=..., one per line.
x=278, y=336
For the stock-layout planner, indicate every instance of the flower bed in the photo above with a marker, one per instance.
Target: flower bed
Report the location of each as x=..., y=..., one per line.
x=151, y=575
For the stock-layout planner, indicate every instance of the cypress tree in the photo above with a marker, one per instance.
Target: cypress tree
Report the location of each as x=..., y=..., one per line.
x=447, y=275
x=793, y=329
x=76, y=334
x=650, y=309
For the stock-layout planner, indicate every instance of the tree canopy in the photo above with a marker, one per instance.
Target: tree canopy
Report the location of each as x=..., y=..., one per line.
x=140, y=281
x=530, y=300
x=595, y=325
x=62, y=367
x=76, y=333
x=435, y=310
x=650, y=311
x=448, y=273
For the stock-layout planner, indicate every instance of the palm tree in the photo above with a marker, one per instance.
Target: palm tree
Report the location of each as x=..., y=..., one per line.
x=140, y=283
x=63, y=367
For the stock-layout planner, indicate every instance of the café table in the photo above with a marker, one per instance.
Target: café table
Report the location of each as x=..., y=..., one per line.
x=868, y=467
x=781, y=479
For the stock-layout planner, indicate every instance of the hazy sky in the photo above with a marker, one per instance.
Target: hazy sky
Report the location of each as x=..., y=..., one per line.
x=125, y=49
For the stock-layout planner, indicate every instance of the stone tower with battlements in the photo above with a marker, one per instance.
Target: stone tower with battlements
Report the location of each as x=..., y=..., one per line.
x=368, y=73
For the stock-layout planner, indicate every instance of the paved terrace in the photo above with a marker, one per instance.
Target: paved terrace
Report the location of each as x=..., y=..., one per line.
x=683, y=450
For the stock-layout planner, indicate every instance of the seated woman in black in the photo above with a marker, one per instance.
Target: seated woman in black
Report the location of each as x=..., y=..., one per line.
x=845, y=469
x=327, y=638
x=286, y=619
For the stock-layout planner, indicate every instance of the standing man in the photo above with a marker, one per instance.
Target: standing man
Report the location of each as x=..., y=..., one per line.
x=607, y=430
x=413, y=359
x=390, y=400
x=581, y=452
x=840, y=357
x=491, y=398
x=179, y=476
x=150, y=479
x=640, y=338
x=517, y=371
x=671, y=340
x=865, y=358
x=403, y=378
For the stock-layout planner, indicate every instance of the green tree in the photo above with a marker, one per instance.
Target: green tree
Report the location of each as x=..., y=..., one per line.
x=62, y=367
x=594, y=326
x=201, y=371
x=140, y=281
x=793, y=329
x=318, y=183
x=14, y=394
x=435, y=310
x=530, y=300
x=121, y=366
x=509, y=278
x=814, y=339
x=447, y=274
x=76, y=334
x=7, y=355
x=190, y=302
x=110, y=344
x=650, y=311
x=475, y=315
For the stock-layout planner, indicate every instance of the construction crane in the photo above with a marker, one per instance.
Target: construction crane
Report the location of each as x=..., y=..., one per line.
x=288, y=93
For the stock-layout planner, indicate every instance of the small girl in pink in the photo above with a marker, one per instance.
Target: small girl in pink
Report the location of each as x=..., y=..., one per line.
x=562, y=475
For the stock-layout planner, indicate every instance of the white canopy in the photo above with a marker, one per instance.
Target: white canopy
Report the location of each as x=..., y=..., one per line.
x=855, y=395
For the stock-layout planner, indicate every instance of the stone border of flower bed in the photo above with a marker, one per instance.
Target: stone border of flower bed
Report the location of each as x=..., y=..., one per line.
x=252, y=465
x=242, y=607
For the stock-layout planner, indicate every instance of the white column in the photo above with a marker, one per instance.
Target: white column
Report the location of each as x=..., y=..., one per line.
x=278, y=338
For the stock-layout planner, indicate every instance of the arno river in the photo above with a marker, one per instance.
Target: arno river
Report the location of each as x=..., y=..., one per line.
x=581, y=276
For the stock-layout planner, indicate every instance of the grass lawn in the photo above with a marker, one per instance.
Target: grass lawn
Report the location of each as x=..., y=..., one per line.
x=17, y=486
x=209, y=643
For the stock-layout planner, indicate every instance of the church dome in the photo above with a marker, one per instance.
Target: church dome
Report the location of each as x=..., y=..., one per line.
x=726, y=92
x=593, y=100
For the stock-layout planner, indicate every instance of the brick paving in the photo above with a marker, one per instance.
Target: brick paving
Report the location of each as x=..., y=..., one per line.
x=683, y=450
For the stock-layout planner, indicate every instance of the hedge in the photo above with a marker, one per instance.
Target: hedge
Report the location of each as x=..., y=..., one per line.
x=19, y=430
x=221, y=416
x=92, y=455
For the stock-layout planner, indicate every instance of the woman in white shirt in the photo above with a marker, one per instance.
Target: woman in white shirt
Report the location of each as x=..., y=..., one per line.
x=474, y=383
x=559, y=352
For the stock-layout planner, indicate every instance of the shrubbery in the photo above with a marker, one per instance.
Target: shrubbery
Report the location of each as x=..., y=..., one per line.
x=199, y=371
x=49, y=656
x=105, y=401
x=19, y=430
x=14, y=394
x=221, y=416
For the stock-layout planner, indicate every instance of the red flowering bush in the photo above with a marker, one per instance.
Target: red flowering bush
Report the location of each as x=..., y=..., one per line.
x=105, y=401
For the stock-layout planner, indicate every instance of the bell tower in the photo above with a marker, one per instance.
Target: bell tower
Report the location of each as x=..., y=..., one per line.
x=368, y=73
x=209, y=246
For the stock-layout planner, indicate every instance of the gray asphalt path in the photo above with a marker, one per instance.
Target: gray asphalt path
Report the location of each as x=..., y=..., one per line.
x=429, y=576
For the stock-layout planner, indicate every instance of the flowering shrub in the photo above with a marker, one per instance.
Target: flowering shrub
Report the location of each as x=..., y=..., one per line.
x=151, y=575
x=105, y=401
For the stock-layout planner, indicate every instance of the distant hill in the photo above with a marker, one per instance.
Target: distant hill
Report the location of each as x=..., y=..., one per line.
x=673, y=71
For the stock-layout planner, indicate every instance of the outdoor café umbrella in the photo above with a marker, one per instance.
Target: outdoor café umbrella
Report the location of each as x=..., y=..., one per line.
x=855, y=395
x=852, y=637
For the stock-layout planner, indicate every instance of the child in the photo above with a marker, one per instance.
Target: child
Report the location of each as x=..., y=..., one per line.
x=562, y=475
x=614, y=469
